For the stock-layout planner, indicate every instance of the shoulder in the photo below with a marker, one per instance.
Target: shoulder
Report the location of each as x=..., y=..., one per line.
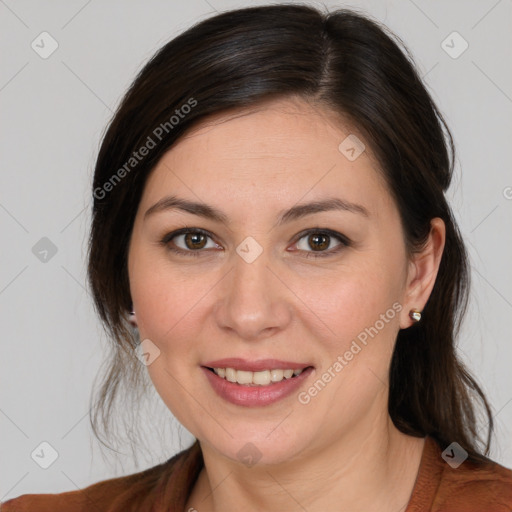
x=104, y=495
x=471, y=486
x=139, y=491
x=477, y=485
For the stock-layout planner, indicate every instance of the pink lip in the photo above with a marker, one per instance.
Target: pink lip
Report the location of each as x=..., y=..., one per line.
x=255, y=366
x=255, y=396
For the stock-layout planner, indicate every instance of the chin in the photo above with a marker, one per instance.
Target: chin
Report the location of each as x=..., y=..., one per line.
x=251, y=447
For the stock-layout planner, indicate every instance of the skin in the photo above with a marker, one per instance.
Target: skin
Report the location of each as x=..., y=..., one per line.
x=340, y=451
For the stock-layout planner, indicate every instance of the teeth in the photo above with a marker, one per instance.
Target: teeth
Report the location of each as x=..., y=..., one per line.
x=263, y=378
x=230, y=374
x=276, y=375
x=243, y=377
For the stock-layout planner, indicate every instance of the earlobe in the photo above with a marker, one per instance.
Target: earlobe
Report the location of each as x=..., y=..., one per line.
x=423, y=269
x=132, y=318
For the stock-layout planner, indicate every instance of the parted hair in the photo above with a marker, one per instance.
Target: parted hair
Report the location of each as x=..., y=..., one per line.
x=347, y=63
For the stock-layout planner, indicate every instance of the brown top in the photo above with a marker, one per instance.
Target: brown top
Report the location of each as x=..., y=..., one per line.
x=472, y=487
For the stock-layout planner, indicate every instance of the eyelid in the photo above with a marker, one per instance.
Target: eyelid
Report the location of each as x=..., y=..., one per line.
x=324, y=231
x=183, y=231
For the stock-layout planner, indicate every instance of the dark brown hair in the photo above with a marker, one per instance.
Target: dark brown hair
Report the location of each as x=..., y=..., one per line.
x=342, y=61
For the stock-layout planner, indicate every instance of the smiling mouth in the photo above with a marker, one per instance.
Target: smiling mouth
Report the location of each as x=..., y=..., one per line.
x=260, y=378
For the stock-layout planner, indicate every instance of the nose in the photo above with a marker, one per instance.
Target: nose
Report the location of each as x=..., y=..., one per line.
x=253, y=303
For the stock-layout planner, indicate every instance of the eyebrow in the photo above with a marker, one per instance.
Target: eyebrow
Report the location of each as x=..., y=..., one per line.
x=295, y=212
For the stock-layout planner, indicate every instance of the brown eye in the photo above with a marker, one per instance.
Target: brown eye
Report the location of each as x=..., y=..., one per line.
x=319, y=242
x=189, y=241
x=195, y=240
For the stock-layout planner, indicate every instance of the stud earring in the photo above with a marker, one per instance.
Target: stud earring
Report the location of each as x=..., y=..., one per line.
x=131, y=318
x=415, y=315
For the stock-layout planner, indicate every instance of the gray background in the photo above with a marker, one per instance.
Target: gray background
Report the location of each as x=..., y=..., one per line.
x=53, y=112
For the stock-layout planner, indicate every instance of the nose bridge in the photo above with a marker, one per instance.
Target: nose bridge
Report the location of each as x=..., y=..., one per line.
x=253, y=301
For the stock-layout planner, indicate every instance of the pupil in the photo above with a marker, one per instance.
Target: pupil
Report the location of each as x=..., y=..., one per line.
x=319, y=242
x=196, y=240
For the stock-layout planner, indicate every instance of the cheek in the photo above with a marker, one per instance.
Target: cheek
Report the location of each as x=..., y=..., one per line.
x=349, y=301
x=169, y=302
x=357, y=316
x=170, y=312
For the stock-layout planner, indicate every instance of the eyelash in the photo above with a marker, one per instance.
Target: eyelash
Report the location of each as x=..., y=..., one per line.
x=344, y=241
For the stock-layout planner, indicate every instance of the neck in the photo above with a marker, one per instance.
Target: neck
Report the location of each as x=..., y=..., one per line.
x=368, y=469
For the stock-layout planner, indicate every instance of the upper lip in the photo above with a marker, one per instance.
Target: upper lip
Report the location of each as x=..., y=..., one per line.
x=255, y=366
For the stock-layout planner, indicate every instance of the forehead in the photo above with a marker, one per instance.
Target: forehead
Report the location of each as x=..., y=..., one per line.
x=278, y=151
x=281, y=129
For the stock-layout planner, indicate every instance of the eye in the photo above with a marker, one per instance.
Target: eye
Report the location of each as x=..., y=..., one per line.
x=189, y=241
x=320, y=243
x=313, y=243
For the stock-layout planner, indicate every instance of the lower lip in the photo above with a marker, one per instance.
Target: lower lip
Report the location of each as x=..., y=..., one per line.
x=255, y=396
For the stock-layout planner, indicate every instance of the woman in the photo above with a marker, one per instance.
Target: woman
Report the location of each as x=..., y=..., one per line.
x=272, y=241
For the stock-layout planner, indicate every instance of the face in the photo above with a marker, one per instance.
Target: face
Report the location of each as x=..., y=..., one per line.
x=254, y=280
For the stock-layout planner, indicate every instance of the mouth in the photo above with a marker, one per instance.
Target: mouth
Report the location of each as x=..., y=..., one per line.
x=255, y=384
x=260, y=378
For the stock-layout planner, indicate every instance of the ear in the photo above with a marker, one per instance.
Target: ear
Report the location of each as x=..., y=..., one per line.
x=422, y=273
